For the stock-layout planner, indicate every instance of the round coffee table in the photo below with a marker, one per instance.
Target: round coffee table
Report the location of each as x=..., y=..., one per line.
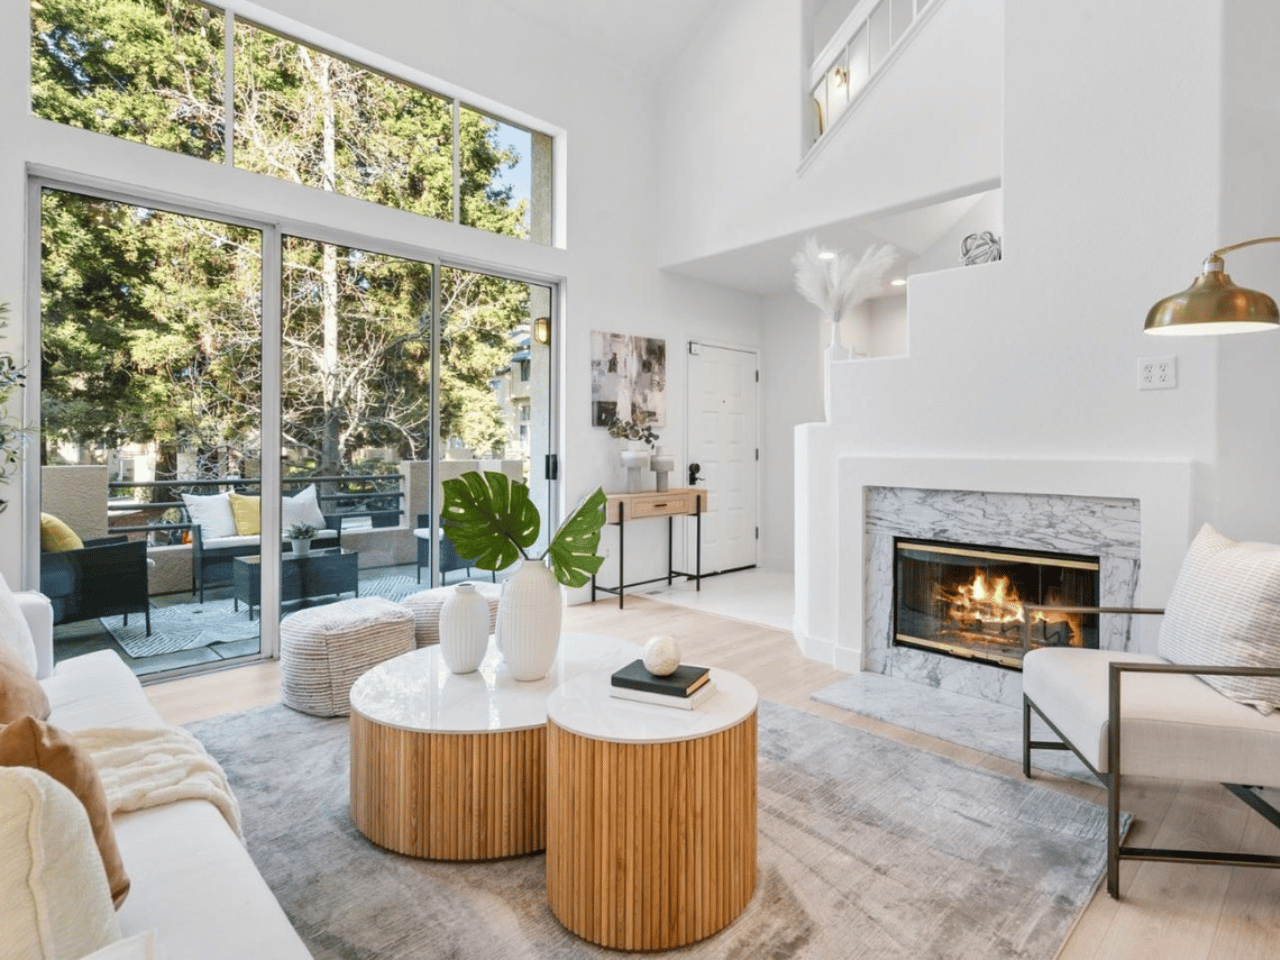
x=453, y=766
x=651, y=817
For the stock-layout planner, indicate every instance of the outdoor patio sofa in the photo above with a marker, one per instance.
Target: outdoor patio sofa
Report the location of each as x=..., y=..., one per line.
x=211, y=560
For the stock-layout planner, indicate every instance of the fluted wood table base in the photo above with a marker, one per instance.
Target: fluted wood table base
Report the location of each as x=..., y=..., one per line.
x=449, y=796
x=651, y=845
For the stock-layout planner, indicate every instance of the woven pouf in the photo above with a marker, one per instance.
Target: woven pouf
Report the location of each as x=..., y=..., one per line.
x=426, y=609
x=323, y=650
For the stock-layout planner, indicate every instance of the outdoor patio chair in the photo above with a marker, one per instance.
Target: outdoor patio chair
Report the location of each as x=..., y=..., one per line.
x=106, y=577
x=449, y=559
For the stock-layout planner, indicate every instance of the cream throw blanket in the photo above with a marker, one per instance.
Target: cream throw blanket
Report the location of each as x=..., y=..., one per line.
x=147, y=767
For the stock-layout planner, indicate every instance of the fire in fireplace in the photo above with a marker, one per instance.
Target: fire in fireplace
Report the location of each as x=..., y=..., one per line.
x=992, y=604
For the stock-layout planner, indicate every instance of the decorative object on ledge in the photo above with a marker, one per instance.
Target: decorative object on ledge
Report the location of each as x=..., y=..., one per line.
x=836, y=284
x=1213, y=304
x=662, y=463
x=300, y=536
x=981, y=247
x=491, y=520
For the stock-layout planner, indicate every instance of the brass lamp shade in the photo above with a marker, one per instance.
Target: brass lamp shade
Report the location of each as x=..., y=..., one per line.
x=1212, y=305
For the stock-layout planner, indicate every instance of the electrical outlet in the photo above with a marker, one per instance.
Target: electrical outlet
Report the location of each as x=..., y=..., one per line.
x=1158, y=373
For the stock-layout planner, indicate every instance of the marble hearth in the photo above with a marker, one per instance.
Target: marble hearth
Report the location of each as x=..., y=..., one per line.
x=1106, y=527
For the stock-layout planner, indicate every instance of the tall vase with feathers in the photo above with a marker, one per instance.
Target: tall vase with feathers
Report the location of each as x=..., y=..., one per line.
x=836, y=286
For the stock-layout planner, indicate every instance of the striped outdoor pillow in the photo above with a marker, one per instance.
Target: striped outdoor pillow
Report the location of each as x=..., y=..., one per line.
x=1225, y=611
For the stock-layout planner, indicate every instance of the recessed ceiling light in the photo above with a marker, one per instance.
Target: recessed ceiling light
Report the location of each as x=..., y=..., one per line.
x=827, y=255
x=898, y=282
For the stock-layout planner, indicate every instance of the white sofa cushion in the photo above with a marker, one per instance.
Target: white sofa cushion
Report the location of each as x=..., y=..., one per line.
x=1172, y=725
x=54, y=901
x=302, y=507
x=97, y=690
x=253, y=541
x=212, y=514
x=1225, y=611
x=15, y=633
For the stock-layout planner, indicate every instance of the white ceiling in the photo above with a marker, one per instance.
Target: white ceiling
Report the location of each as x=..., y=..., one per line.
x=646, y=35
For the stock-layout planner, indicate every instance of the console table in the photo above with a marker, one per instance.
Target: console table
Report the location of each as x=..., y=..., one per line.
x=651, y=813
x=621, y=508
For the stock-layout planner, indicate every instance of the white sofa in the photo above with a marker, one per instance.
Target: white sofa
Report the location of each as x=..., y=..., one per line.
x=192, y=880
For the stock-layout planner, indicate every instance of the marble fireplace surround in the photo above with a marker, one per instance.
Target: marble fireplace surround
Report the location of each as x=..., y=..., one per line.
x=1142, y=514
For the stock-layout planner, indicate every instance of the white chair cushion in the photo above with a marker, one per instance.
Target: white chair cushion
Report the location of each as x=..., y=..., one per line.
x=54, y=901
x=302, y=507
x=1225, y=611
x=15, y=632
x=212, y=514
x=1172, y=725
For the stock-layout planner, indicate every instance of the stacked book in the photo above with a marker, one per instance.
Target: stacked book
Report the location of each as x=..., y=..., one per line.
x=684, y=689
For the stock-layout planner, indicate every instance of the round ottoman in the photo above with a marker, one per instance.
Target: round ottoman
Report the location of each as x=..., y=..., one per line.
x=323, y=650
x=426, y=606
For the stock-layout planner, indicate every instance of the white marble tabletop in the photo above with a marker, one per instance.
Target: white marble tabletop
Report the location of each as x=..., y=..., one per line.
x=416, y=691
x=583, y=705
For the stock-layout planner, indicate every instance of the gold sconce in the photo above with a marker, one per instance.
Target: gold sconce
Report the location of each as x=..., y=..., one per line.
x=1213, y=304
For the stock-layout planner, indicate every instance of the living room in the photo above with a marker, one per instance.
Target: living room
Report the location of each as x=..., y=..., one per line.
x=1022, y=371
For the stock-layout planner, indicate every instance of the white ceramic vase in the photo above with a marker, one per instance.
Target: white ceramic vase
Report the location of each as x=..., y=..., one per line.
x=464, y=629
x=662, y=463
x=529, y=612
x=634, y=461
x=301, y=547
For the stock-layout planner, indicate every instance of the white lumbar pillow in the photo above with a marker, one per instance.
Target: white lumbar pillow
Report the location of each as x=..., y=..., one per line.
x=15, y=632
x=1225, y=611
x=54, y=899
x=302, y=507
x=212, y=514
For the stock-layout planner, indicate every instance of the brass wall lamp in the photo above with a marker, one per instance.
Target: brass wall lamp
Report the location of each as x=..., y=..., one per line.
x=1213, y=304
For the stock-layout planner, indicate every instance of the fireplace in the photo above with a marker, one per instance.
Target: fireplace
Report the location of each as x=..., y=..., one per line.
x=991, y=604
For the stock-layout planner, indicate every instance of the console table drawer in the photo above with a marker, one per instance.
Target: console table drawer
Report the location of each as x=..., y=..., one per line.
x=660, y=505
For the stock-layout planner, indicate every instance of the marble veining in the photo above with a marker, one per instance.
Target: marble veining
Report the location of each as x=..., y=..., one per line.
x=1105, y=527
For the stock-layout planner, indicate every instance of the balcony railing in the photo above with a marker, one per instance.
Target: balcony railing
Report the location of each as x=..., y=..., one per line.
x=856, y=54
x=377, y=497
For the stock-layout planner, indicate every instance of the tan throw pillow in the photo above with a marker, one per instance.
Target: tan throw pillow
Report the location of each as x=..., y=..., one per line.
x=247, y=514
x=28, y=742
x=20, y=693
x=54, y=901
x=1225, y=611
x=56, y=536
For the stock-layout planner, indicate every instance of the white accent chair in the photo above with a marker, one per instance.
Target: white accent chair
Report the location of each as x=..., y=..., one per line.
x=1203, y=709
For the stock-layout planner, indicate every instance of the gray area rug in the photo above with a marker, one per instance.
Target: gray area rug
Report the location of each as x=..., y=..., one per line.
x=186, y=626
x=983, y=725
x=868, y=849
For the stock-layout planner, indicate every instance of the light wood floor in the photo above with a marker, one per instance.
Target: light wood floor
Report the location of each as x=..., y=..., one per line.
x=1170, y=912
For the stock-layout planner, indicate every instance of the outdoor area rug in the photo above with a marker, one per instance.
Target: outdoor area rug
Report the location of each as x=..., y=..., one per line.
x=868, y=849
x=185, y=626
x=984, y=725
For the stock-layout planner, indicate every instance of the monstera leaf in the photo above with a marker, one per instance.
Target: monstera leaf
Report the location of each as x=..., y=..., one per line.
x=490, y=520
x=573, y=549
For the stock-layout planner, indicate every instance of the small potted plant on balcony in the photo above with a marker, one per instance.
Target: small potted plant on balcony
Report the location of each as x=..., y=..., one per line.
x=493, y=523
x=300, y=535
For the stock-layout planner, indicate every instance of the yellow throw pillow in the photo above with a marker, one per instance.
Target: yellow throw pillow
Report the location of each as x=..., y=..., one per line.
x=248, y=514
x=56, y=536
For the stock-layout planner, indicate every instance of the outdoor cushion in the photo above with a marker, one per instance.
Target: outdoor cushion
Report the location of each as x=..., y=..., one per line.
x=212, y=514
x=302, y=507
x=247, y=513
x=253, y=541
x=1225, y=611
x=56, y=536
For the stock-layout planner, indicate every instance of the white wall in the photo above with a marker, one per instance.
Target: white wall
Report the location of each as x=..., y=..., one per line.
x=732, y=127
x=609, y=270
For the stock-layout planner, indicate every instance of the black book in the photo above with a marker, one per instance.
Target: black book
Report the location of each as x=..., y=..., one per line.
x=683, y=682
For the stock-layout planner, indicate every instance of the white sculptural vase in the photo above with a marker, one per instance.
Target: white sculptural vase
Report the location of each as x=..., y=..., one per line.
x=634, y=461
x=464, y=629
x=529, y=613
x=662, y=464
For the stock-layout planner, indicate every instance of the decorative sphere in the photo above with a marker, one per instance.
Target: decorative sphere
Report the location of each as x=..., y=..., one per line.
x=661, y=655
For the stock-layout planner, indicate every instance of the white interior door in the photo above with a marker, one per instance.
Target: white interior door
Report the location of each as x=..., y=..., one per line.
x=724, y=441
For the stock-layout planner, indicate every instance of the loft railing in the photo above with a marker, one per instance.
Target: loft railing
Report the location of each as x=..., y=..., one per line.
x=379, y=497
x=857, y=53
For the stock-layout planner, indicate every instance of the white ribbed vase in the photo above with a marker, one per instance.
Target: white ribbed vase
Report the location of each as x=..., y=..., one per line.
x=464, y=628
x=529, y=613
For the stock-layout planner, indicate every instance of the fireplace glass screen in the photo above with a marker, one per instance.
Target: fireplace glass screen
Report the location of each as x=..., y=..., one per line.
x=992, y=604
